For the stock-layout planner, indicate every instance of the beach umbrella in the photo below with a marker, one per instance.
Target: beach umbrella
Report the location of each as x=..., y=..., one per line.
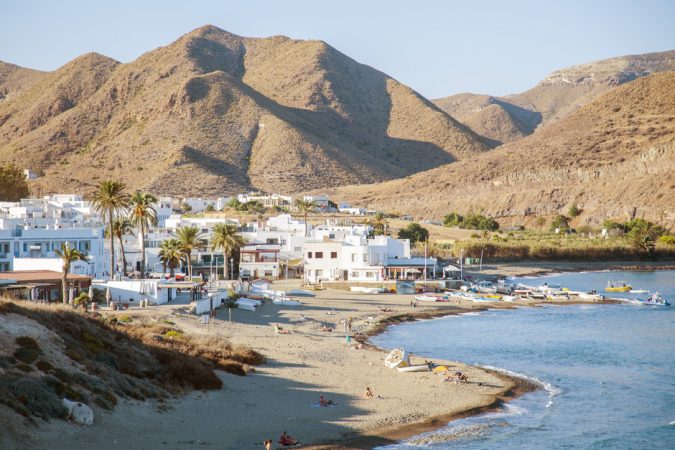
x=91, y=292
x=108, y=295
x=71, y=295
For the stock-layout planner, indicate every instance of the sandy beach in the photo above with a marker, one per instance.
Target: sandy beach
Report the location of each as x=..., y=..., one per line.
x=283, y=394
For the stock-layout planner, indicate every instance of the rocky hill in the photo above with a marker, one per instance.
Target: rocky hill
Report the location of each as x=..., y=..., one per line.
x=216, y=113
x=506, y=119
x=614, y=157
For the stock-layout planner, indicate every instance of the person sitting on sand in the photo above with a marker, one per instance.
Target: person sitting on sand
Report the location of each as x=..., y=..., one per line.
x=326, y=328
x=368, y=393
x=461, y=377
x=287, y=440
x=279, y=330
x=324, y=402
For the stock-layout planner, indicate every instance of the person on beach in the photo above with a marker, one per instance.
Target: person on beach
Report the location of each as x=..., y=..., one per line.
x=324, y=402
x=268, y=444
x=368, y=394
x=279, y=330
x=287, y=440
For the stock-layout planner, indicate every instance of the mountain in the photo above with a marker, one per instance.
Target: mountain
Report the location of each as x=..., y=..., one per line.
x=614, y=157
x=216, y=113
x=509, y=118
x=491, y=117
x=14, y=80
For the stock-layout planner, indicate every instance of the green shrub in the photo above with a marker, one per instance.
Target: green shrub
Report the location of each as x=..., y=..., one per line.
x=667, y=239
x=173, y=334
x=27, y=342
x=124, y=318
x=26, y=355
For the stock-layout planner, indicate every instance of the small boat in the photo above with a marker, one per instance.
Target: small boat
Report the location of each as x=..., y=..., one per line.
x=509, y=298
x=612, y=287
x=427, y=297
x=285, y=301
x=300, y=293
x=415, y=368
x=485, y=286
x=396, y=358
x=592, y=296
x=366, y=290
x=654, y=300
x=247, y=304
x=639, y=291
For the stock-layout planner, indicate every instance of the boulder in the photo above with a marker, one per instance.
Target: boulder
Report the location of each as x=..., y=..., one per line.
x=78, y=412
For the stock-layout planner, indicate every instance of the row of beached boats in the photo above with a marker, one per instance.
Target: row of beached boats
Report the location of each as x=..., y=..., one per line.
x=249, y=301
x=487, y=291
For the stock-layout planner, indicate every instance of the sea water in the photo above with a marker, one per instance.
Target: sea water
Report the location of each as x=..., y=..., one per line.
x=607, y=371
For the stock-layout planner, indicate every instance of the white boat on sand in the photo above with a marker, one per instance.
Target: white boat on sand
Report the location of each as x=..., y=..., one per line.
x=366, y=290
x=300, y=293
x=415, y=368
x=398, y=357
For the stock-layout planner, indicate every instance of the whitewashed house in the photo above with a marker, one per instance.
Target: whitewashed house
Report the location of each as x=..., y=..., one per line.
x=267, y=200
x=259, y=261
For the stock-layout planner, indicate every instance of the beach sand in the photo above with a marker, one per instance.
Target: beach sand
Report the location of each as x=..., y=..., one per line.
x=283, y=394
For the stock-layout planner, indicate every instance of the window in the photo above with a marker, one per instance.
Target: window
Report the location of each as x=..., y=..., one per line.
x=309, y=255
x=355, y=275
x=353, y=257
x=318, y=255
x=268, y=273
x=333, y=255
x=319, y=273
x=365, y=257
x=369, y=275
x=297, y=249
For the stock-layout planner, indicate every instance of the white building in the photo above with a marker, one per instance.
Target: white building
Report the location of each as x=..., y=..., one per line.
x=352, y=258
x=198, y=204
x=281, y=230
x=267, y=200
x=322, y=201
x=259, y=261
x=163, y=209
x=33, y=248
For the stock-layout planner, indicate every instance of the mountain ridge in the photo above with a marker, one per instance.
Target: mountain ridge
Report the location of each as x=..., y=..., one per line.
x=228, y=114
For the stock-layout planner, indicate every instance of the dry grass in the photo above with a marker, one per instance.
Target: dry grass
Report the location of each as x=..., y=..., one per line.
x=115, y=360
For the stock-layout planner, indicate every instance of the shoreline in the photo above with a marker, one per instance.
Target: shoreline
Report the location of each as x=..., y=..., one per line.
x=302, y=365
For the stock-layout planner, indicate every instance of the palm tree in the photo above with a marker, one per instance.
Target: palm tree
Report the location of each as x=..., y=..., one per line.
x=189, y=239
x=305, y=207
x=67, y=255
x=143, y=214
x=120, y=228
x=170, y=254
x=378, y=223
x=111, y=199
x=225, y=238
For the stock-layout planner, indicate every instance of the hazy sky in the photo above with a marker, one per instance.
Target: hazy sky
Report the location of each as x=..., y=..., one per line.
x=436, y=47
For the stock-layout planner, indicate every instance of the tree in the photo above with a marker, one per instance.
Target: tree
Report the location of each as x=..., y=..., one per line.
x=120, y=228
x=379, y=224
x=643, y=237
x=305, y=207
x=541, y=221
x=170, y=254
x=224, y=237
x=573, y=211
x=189, y=239
x=68, y=256
x=210, y=208
x=185, y=207
x=13, y=184
x=111, y=199
x=560, y=222
x=143, y=214
x=452, y=220
x=415, y=232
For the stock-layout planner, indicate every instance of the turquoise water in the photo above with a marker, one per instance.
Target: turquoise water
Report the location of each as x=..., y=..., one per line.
x=608, y=370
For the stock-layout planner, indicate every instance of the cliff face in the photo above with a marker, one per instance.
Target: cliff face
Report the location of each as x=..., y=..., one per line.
x=216, y=113
x=612, y=157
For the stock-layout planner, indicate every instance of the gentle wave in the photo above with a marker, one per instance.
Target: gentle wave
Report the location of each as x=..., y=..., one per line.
x=552, y=390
